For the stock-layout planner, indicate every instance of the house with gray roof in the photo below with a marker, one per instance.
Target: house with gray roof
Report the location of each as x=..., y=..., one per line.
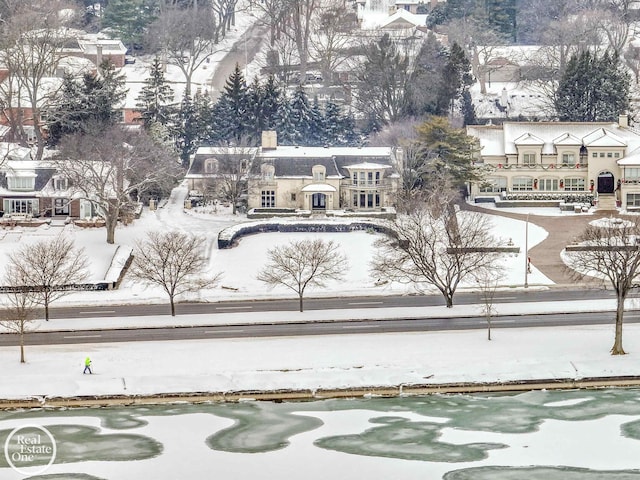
x=317, y=179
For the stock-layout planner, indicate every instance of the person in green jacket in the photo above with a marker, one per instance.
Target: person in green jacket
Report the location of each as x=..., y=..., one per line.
x=87, y=366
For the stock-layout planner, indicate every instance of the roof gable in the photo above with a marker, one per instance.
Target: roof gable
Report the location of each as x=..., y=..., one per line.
x=567, y=139
x=603, y=138
x=528, y=139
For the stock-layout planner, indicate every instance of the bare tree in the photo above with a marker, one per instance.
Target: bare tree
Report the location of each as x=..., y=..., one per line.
x=46, y=269
x=31, y=44
x=19, y=315
x=230, y=175
x=331, y=36
x=436, y=246
x=111, y=168
x=187, y=37
x=297, y=24
x=302, y=264
x=174, y=261
x=488, y=283
x=610, y=251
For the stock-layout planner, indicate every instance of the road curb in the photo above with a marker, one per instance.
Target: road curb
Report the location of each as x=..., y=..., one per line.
x=322, y=394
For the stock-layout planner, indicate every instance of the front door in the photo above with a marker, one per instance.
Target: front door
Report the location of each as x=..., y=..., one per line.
x=605, y=182
x=318, y=201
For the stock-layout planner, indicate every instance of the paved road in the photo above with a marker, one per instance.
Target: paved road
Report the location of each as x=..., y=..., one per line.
x=315, y=328
x=532, y=295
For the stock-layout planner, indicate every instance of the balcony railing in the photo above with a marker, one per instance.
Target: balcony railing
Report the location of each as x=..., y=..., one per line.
x=541, y=166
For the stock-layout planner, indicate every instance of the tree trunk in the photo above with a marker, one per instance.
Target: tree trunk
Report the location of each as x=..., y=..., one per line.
x=300, y=303
x=22, y=347
x=488, y=327
x=448, y=296
x=111, y=229
x=617, y=344
x=46, y=309
x=173, y=306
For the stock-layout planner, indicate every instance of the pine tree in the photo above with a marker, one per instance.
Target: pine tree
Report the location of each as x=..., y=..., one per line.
x=229, y=113
x=300, y=115
x=156, y=97
x=94, y=102
x=333, y=122
x=456, y=76
x=285, y=127
x=185, y=129
x=468, y=110
x=129, y=19
x=592, y=89
x=271, y=104
x=317, y=127
x=255, y=117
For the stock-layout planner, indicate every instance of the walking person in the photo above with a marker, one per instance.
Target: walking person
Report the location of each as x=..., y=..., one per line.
x=87, y=366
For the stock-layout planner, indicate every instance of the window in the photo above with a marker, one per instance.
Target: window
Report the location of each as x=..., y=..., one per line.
x=354, y=177
x=268, y=172
x=377, y=178
x=377, y=199
x=609, y=154
x=210, y=165
x=631, y=174
x=616, y=154
x=568, y=159
x=293, y=197
x=369, y=179
x=21, y=183
x=494, y=185
x=522, y=184
x=529, y=159
x=633, y=199
x=548, y=184
x=574, y=184
x=601, y=154
x=594, y=155
x=318, y=172
x=59, y=183
x=268, y=198
x=21, y=205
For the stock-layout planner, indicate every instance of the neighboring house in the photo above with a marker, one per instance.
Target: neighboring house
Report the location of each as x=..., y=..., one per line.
x=403, y=19
x=318, y=179
x=34, y=189
x=561, y=160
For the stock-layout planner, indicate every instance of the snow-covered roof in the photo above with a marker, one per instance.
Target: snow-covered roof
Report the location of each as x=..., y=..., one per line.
x=319, y=152
x=366, y=166
x=404, y=19
x=319, y=187
x=501, y=140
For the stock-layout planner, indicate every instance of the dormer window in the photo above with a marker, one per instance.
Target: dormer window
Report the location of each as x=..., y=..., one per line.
x=60, y=183
x=210, y=165
x=21, y=182
x=268, y=172
x=319, y=172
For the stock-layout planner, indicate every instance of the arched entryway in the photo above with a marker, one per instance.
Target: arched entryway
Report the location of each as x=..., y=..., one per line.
x=606, y=183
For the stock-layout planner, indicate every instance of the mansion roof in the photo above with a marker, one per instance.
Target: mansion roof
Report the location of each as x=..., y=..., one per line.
x=501, y=140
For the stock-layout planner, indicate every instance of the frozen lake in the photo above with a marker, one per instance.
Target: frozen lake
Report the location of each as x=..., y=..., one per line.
x=587, y=434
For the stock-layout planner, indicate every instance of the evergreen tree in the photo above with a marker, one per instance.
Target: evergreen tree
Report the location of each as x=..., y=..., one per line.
x=92, y=103
x=272, y=103
x=229, y=113
x=129, y=19
x=350, y=136
x=185, y=129
x=204, y=117
x=333, y=123
x=442, y=148
x=255, y=116
x=468, y=110
x=106, y=93
x=425, y=90
x=317, y=126
x=300, y=117
x=156, y=97
x=592, y=89
x=285, y=127
x=456, y=76
x=501, y=17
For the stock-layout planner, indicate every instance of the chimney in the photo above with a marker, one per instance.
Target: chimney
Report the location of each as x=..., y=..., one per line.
x=623, y=120
x=98, y=55
x=269, y=140
x=504, y=98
